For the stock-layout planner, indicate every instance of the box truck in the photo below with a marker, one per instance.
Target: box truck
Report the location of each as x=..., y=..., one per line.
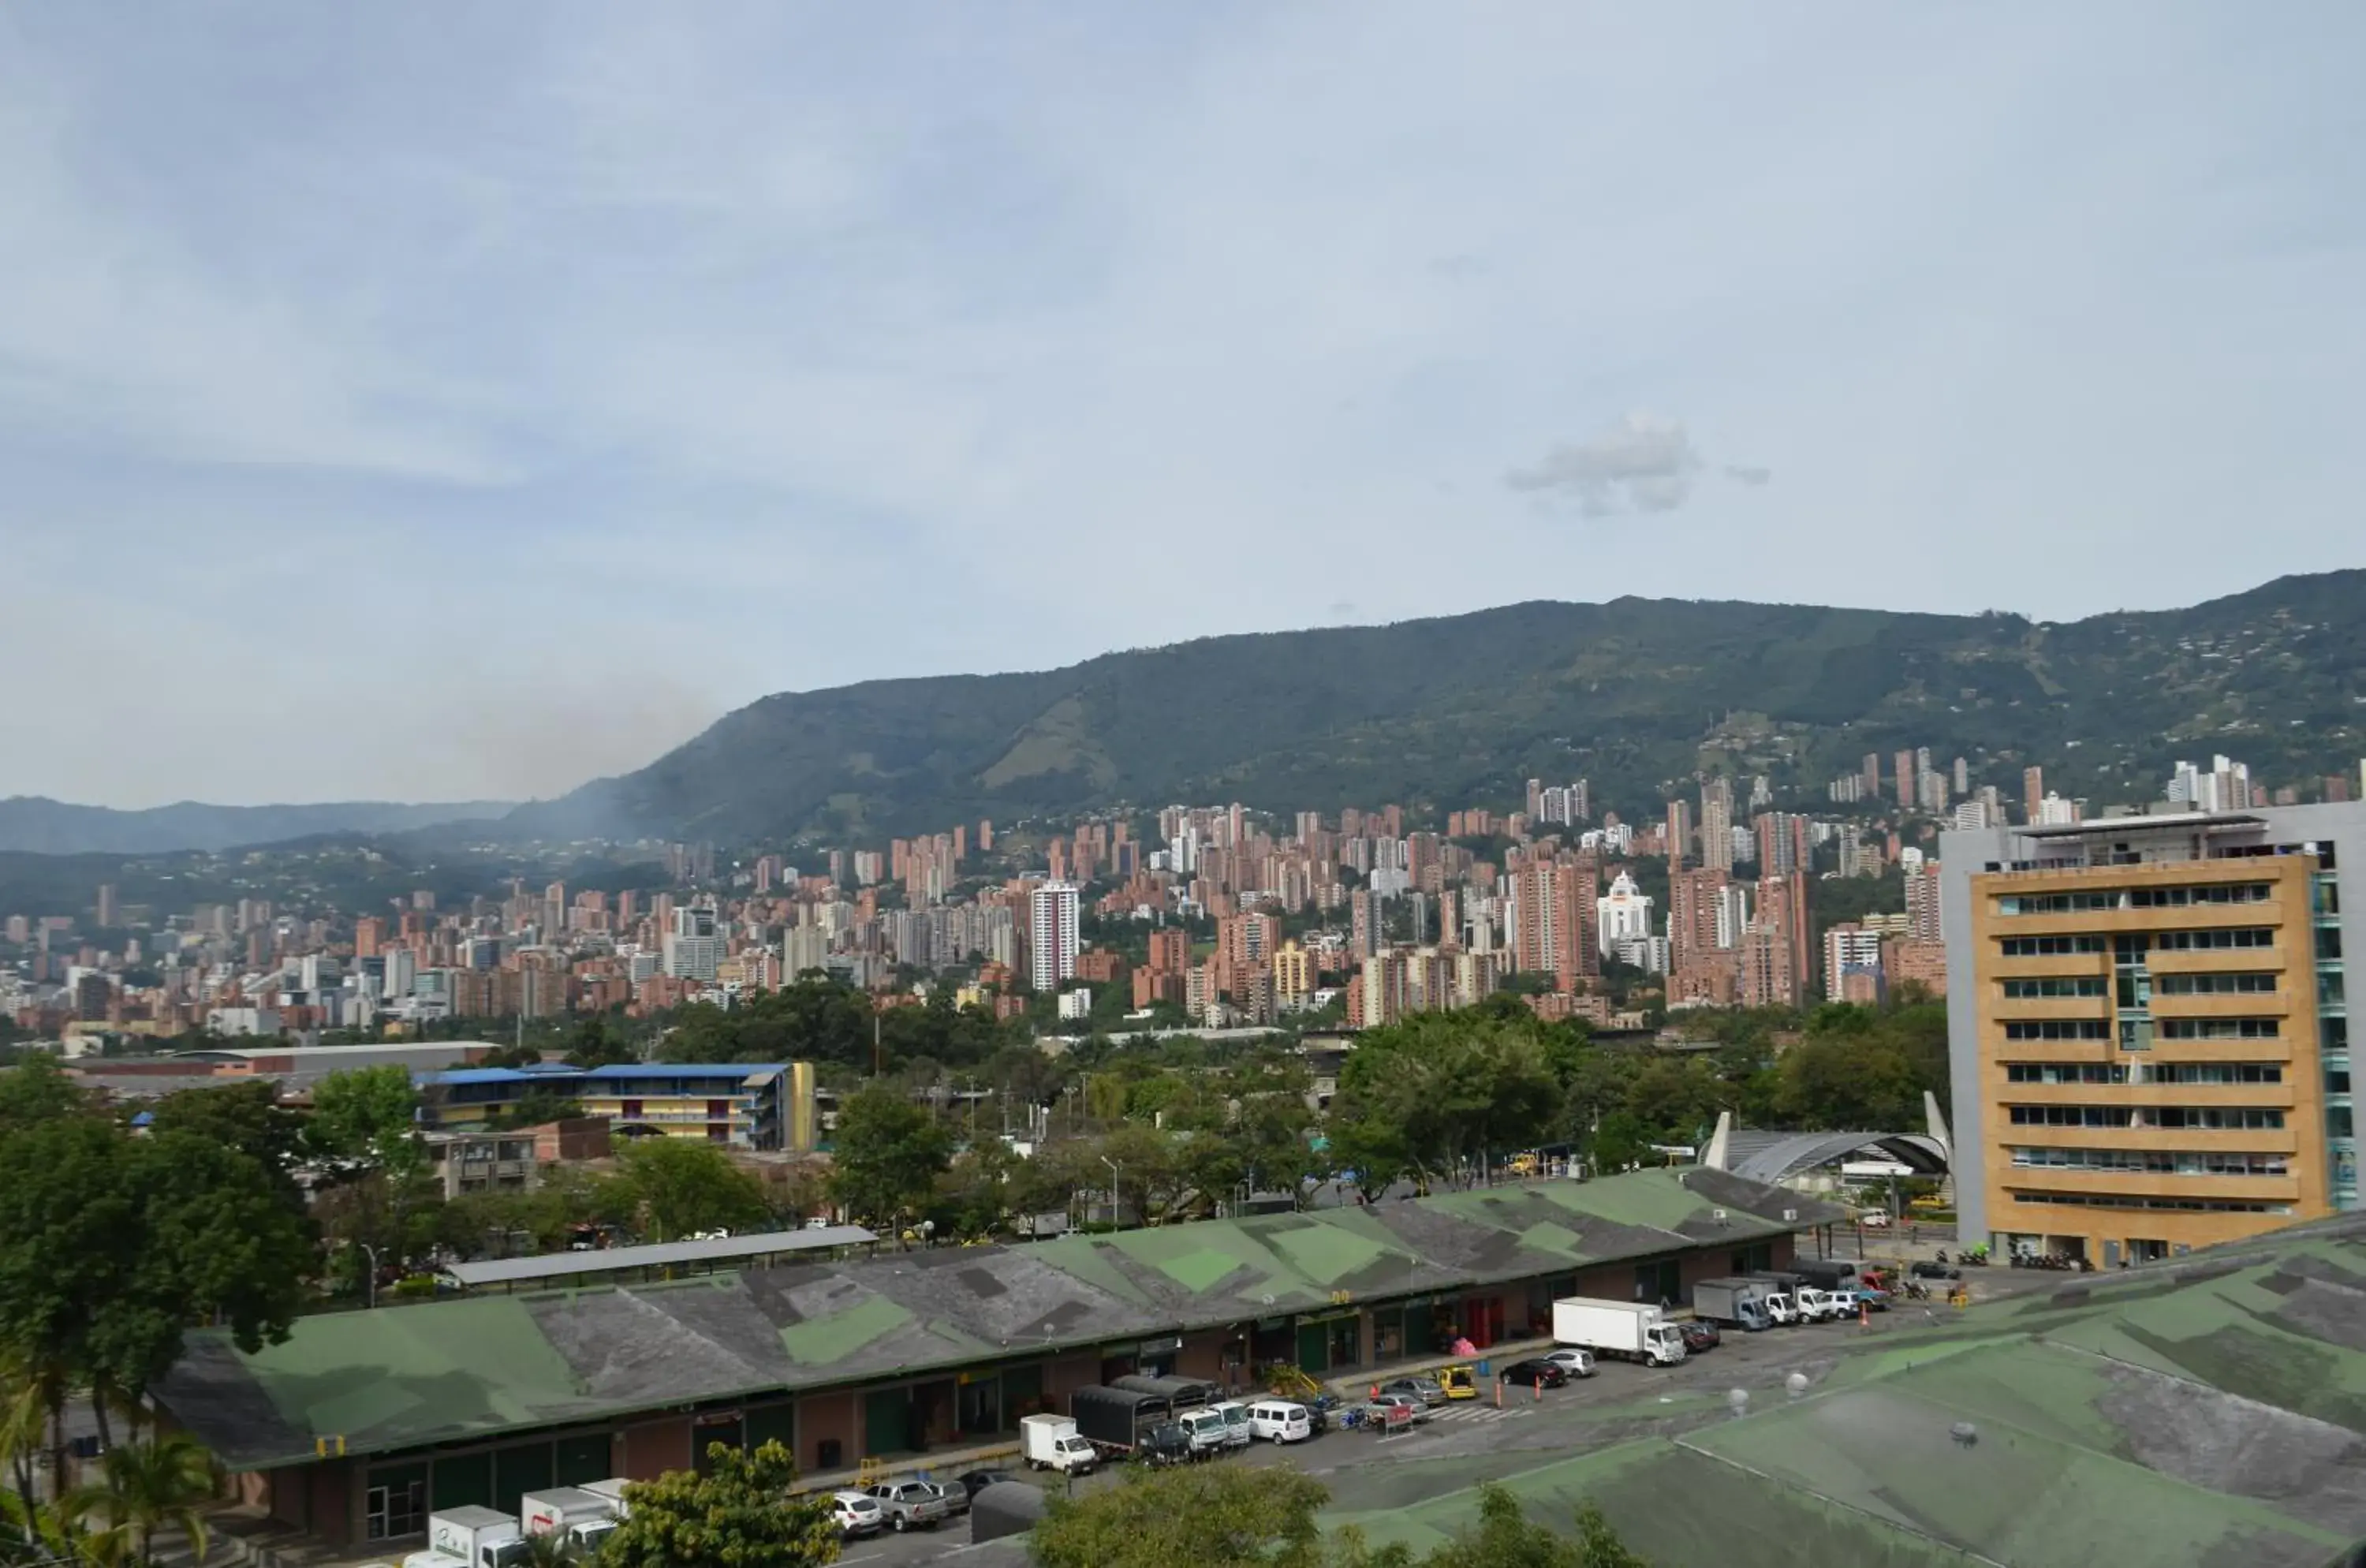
x=1632, y=1331
x=470, y=1537
x=578, y=1513
x=1734, y=1304
x=1052, y=1442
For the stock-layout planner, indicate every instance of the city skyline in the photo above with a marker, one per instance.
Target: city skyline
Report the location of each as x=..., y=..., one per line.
x=508, y=415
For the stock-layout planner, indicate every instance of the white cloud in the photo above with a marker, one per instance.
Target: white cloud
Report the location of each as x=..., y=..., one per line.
x=1643, y=464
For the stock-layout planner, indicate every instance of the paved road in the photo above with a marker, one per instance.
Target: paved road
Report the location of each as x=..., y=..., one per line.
x=1494, y=1442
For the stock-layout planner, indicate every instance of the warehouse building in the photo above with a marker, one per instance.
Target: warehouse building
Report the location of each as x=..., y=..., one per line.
x=361, y=1423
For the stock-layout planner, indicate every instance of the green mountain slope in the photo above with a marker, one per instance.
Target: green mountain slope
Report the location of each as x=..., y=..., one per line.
x=1634, y=694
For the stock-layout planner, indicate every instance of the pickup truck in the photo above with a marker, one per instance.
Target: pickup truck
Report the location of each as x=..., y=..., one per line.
x=909, y=1504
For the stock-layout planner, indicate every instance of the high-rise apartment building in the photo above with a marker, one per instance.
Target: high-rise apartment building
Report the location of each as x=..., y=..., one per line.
x=1904, y=766
x=2033, y=793
x=1052, y=940
x=1853, y=964
x=1680, y=834
x=693, y=948
x=1717, y=824
x=2150, y=1045
x=1623, y=914
x=1553, y=914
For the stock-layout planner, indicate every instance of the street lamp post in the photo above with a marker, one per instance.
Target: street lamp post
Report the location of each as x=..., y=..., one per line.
x=370, y=1283
x=1117, y=1192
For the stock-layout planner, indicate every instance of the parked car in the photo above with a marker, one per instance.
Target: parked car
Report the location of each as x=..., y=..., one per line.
x=911, y=1504
x=1873, y=1219
x=857, y=1514
x=1576, y=1362
x=1166, y=1443
x=1460, y=1381
x=1325, y=1411
x=1923, y=1268
x=976, y=1480
x=1536, y=1372
x=1700, y=1336
x=1376, y=1413
x=1428, y=1390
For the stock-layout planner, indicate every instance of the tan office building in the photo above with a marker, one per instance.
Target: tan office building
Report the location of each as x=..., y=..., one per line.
x=2147, y=1028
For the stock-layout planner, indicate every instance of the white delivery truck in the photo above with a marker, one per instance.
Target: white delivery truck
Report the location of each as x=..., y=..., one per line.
x=577, y=1513
x=1632, y=1331
x=611, y=1492
x=470, y=1537
x=1051, y=1442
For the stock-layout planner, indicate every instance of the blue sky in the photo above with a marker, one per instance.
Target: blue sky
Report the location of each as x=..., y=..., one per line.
x=434, y=401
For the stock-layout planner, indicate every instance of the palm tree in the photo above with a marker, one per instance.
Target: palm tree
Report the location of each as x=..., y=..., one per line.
x=23, y=1423
x=145, y=1487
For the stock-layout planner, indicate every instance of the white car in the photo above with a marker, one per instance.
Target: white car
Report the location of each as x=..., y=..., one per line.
x=1576, y=1362
x=856, y=1514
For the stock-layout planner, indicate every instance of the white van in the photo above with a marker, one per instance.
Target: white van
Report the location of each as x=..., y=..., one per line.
x=1207, y=1430
x=1280, y=1421
x=1236, y=1423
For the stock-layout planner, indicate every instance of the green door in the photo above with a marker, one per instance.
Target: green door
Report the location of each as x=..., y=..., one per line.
x=887, y=1422
x=1314, y=1349
x=773, y=1424
x=465, y=1482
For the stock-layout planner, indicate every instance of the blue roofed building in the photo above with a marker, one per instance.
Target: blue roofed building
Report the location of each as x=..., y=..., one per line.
x=748, y=1105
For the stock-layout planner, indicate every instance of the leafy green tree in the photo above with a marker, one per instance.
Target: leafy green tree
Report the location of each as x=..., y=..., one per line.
x=598, y=1043
x=1193, y=1517
x=736, y=1516
x=144, y=1487
x=678, y=1186
x=38, y=1092
x=888, y=1154
x=247, y=1117
x=369, y=1113
x=1505, y=1538
x=537, y=1108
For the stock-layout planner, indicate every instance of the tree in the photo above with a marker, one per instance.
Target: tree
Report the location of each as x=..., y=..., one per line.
x=736, y=1516
x=369, y=1113
x=143, y=1487
x=594, y=1043
x=38, y=1092
x=537, y=1107
x=889, y=1154
x=680, y=1188
x=1191, y=1517
x=247, y=1117
x=1503, y=1539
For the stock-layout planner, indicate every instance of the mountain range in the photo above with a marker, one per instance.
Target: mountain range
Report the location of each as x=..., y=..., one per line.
x=37, y=825
x=1639, y=695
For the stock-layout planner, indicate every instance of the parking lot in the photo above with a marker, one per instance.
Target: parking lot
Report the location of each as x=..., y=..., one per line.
x=1482, y=1441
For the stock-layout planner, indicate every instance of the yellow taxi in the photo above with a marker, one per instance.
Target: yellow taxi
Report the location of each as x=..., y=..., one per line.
x=1460, y=1382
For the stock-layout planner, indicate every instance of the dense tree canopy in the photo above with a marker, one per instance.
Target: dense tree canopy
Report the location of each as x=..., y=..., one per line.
x=738, y=1514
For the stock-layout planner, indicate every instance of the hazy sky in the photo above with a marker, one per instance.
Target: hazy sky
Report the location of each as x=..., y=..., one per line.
x=424, y=400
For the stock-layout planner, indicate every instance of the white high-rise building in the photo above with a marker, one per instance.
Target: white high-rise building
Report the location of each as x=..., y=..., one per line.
x=1621, y=915
x=692, y=948
x=1051, y=940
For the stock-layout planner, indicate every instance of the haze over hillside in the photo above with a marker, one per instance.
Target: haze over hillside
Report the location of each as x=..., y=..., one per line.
x=1462, y=709
x=37, y=825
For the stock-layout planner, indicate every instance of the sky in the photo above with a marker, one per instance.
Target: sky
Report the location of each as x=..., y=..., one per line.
x=437, y=401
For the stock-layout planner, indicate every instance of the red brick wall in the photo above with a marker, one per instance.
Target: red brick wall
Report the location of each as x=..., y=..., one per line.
x=1063, y=1376
x=656, y=1446
x=827, y=1416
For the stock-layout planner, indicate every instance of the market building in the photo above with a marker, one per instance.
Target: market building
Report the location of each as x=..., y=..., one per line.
x=361, y=1423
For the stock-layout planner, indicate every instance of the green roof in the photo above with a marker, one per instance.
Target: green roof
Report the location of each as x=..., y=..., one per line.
x=405, y=1376
x=2206, y=1413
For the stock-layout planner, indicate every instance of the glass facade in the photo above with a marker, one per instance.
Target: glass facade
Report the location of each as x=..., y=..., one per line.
x=2333, y=1041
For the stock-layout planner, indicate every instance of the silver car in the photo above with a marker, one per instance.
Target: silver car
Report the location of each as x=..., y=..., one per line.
x=1428, y=1390
x=909, y=1504
x=1577, y=1363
